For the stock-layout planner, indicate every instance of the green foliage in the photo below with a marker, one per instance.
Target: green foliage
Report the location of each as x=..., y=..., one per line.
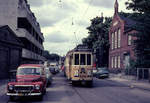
x=134, y=16
x=142, y=43
x=98, y=38
x=141, y=6
x=51, y=57
x=98, y=33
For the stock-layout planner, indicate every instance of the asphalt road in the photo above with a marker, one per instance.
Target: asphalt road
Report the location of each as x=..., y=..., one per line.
x=103, y=91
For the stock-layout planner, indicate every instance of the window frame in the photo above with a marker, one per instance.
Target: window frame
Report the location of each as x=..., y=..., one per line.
x=112, y=41
x=116, y=39
x=119, y=60
x=129, y=40
x=119, y=38
x=112, y=62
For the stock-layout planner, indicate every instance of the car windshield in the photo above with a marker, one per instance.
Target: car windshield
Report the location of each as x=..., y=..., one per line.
x=29, y=71
x=102, y=69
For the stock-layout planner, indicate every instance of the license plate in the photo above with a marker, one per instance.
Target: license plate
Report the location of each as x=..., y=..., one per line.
x=20, y=94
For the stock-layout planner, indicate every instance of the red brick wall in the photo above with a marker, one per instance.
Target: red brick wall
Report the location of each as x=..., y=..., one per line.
x=124, y=43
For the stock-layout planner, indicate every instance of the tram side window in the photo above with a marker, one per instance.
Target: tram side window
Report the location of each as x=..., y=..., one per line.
x=82, y=59
x=76, y=59
x=88, y=59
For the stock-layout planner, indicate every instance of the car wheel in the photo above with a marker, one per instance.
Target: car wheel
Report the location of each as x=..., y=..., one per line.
x=11, y=98
x=40, y=97
x=44, y=91
x=50, y=83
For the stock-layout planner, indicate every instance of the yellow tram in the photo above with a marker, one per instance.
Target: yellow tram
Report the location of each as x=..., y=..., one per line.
x=79, y=65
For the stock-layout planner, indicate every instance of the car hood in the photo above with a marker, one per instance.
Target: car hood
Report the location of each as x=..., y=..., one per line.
x=28, y=78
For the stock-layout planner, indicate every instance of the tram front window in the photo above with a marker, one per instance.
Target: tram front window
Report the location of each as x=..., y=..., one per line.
x=76, y=59
x=88, y=59
x=82, y=59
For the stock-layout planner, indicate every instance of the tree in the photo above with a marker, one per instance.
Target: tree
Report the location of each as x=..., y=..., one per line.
x=142, y=43
x=98, y=38
x=46, y=54
x=141, y=6
x=52, y=57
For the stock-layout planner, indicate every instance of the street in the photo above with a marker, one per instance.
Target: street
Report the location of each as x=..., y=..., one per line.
x=103, y=91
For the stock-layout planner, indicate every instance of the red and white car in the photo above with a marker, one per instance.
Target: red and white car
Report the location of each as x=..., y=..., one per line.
x=30, y=81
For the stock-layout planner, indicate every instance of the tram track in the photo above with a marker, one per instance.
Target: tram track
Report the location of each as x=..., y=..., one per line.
x=81, y=96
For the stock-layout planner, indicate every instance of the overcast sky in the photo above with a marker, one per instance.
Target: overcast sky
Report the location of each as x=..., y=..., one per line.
x=64, y=22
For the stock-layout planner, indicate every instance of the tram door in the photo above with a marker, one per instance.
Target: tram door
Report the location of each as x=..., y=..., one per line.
x=82, y=66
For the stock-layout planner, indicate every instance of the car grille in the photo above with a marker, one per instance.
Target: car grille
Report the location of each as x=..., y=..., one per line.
x=23, y=88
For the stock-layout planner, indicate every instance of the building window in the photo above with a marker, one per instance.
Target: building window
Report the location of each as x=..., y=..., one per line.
x=115, y=62
x=118, y=61
x=115, y=40
x=119, y=38
x=112, y=62
x=129, y=39
x=112, y=44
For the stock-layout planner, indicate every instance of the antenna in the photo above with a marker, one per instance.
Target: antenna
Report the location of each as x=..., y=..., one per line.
x=101, y=14
x=72, y=21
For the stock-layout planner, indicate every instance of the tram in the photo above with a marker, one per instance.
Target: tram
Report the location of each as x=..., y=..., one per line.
x=79, y=65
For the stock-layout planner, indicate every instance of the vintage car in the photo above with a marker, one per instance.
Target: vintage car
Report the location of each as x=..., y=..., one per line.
x=102, y=72
x=30, y=81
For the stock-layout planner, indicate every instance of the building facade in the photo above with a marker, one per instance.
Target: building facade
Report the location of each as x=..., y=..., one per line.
x=10, y=51
x=121, y=48
x=18, y=16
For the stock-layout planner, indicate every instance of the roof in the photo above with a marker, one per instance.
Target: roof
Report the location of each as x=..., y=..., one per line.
x=31, y=65
x=82, y=47
x=129, y=23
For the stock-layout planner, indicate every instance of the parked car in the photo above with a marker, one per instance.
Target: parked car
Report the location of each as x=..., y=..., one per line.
x=102, y=73
x=30, y=81
x=48, y=76
x=54, y=68
x=94, y=72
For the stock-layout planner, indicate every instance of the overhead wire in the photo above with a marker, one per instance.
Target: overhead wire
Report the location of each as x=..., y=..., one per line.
x=82, y=19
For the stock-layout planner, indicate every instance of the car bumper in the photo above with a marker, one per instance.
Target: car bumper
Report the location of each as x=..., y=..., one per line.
x=104, y=75
x=24, y=94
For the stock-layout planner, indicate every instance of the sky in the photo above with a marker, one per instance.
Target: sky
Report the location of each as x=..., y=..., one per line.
x=64, y=22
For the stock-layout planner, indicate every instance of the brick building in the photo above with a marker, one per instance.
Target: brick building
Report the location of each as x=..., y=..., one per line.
x=121, y=48
x=18, y=16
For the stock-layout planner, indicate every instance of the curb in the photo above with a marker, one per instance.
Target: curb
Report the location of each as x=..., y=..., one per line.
x=131, y=85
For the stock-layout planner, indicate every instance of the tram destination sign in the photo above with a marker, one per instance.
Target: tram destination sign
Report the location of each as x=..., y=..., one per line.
x=82, y=48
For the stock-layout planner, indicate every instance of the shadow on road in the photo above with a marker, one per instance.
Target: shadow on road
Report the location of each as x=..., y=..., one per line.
x=57, y=96
x=107, y=83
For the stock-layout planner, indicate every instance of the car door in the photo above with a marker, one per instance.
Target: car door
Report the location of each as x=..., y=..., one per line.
x=44, y=77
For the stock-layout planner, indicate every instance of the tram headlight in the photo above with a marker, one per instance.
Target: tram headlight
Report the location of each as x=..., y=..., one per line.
x=76, y=73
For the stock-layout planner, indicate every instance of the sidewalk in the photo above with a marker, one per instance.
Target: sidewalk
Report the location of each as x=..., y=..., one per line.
x=131, y=81
x=2, y=82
